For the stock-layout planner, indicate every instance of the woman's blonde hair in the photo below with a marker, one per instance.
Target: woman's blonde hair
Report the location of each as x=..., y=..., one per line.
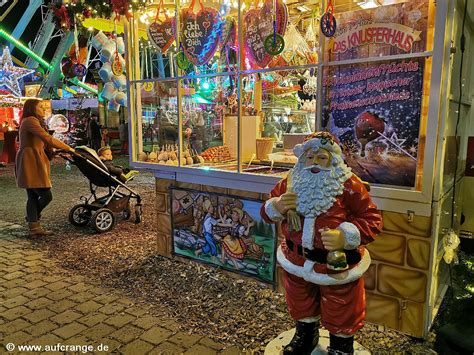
x=206, y=205
x=239, y=212
x=29, y=108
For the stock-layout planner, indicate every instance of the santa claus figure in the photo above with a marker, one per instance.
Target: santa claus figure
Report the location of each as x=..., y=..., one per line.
x=323, y=253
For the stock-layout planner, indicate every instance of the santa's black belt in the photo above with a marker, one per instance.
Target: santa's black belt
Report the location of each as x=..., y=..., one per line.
x=319, y=255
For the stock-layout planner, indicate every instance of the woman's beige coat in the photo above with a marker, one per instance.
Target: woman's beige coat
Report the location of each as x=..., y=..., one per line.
x=32, y=166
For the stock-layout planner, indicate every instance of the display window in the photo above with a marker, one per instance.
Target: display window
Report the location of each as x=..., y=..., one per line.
x=156, y=132
x=235, y=85
x=278, y=111
x=209, y=111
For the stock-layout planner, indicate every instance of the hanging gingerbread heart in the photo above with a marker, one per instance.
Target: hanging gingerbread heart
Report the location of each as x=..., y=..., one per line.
x=161, y=34
x=258, y=25
x=200, y=33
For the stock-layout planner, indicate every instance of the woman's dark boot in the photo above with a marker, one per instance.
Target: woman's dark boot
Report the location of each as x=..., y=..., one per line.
x=340, y=345
x=305, y=339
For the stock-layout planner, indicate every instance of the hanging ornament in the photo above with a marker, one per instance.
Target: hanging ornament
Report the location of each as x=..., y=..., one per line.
x=200, y=32
x=182, y=60
x=120, y=7
x=86, y=13
x=258, y=26
x=274, y=43
x=328, y=21
x=62, y=15
x=9, y=74
x=79, y=70
x=310, y=35
x=117, y=68
x=75, y=67
x=148, y=86
x=162, y=33
x=450, y=242
x=311, y=83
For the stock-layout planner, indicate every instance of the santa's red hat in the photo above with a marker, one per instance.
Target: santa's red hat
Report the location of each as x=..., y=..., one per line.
x=317, y=140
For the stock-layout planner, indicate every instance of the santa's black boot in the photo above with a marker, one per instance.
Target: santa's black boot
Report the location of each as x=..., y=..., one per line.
x=305, y=339
x=340, y=345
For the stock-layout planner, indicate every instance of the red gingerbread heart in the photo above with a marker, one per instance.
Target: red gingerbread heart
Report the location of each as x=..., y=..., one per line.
x=162, y=34
x=200, y=34
x=258, y=25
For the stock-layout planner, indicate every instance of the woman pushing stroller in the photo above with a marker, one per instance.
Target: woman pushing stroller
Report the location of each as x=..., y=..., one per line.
x=32, y=164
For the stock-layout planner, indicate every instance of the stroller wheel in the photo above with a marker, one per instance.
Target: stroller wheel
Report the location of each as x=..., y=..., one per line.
x=103, y=220
x=138, y=214
x=127, y=213
x=79, y=215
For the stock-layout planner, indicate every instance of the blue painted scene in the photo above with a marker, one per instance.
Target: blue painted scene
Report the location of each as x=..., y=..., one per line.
x=223, y=231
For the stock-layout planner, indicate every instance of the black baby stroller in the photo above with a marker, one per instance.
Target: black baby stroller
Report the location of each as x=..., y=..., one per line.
x=101, y=211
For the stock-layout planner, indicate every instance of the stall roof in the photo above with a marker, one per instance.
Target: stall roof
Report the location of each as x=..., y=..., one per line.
x=74, y=104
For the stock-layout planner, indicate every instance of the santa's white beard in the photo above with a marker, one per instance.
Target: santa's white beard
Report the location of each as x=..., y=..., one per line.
x=317, y=192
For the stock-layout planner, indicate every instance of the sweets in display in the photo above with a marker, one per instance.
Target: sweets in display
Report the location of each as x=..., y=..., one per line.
x=217, y=154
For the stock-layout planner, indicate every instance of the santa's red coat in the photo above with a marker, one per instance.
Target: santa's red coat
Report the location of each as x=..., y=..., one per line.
x=343, y=306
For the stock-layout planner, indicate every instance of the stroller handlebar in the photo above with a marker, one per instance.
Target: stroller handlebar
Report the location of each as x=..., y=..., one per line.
x=66, y=154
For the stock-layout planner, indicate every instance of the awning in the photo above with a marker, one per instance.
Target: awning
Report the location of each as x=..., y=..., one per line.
x=74, y=104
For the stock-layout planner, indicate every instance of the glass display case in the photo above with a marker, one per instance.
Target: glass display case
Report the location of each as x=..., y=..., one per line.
x=234, y=85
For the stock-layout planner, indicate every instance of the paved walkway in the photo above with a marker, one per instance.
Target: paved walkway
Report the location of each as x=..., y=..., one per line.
x=42, y=305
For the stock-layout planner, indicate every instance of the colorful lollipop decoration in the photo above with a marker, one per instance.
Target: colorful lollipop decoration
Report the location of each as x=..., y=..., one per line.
x=274, y=43
x=181, y=59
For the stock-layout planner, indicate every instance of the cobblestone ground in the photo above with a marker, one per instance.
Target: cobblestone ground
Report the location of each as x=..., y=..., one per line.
x=42, y=304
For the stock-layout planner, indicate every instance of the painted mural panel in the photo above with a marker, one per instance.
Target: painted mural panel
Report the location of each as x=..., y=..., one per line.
x=223, y=230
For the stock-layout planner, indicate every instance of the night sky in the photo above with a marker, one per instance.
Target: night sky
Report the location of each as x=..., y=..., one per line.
x=30, y=32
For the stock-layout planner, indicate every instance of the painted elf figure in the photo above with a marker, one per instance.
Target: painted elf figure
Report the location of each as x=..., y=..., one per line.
x=327, y=216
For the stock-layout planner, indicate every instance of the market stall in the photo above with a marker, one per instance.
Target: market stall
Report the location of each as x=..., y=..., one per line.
x=10, y=113
x=221, y=92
